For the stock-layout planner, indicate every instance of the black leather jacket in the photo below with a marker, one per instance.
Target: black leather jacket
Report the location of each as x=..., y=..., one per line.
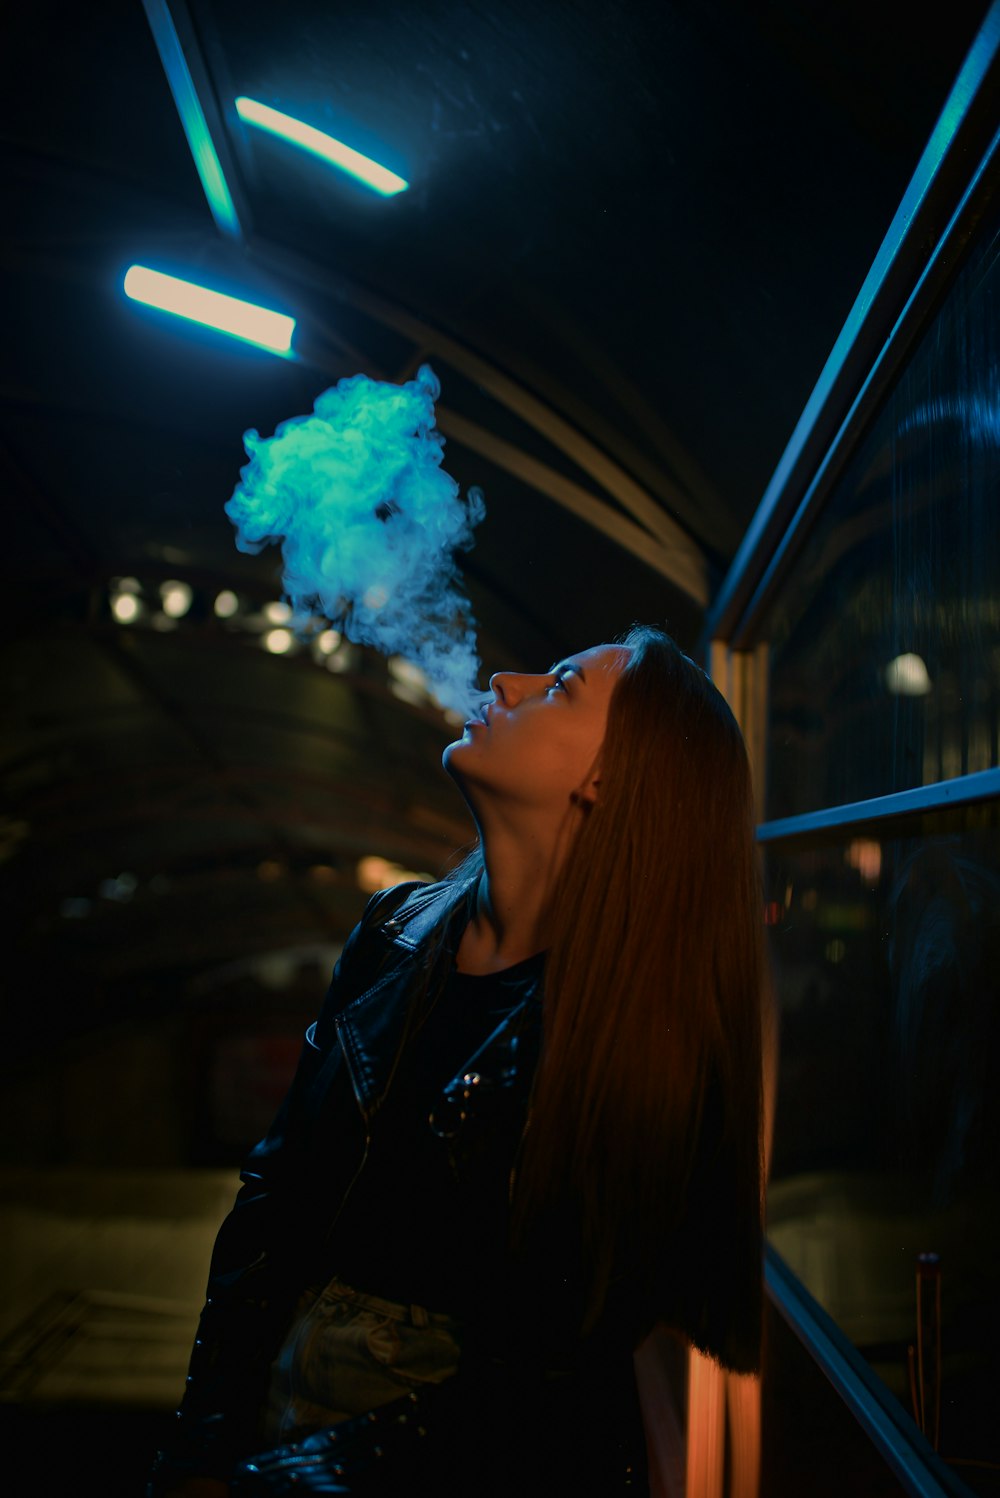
x=274, y=1241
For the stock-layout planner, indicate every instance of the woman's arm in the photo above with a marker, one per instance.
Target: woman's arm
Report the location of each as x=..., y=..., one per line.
x=253, y=1279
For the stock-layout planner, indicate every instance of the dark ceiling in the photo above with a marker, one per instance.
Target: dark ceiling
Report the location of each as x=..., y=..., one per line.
x=632, y=234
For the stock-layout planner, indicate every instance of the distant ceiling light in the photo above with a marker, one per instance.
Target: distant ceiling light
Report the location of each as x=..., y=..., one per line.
x=907, y=676
x=322, y=873
x=245, y=320
x=175, y=599
x=126, y=585
x=125, y=607
x=226, y=604
x=327, y=642
x=378, y=178
x=279, y=641
x=277, y=613
x=270, y=870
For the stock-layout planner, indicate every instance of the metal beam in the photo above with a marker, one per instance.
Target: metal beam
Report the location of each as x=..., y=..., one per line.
x=177, y=43
x=508, y=391
x=943, y=795
x=686, y=571
x=883, y=1419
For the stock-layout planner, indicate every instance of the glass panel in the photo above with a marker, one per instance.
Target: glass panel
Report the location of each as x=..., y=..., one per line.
x=885, y=641
x=886, y=952
x=812, y=1444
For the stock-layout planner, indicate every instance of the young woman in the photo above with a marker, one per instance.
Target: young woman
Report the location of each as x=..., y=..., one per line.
x=525, y=1130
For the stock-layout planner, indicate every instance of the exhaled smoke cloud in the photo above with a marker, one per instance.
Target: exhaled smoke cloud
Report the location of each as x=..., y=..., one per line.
x=369, y=523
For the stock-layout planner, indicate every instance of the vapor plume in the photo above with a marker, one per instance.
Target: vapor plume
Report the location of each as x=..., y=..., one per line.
x=369, y=524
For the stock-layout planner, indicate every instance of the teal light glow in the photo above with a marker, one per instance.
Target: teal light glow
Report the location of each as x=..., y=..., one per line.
x=199, y=136
x=379, y=178
x=269, y=330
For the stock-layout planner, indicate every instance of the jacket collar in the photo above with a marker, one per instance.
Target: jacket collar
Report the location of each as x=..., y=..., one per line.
x=372, y=1026
x=422, y=912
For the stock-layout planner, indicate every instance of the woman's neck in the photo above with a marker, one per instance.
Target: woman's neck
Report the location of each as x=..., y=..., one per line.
x=510, y=919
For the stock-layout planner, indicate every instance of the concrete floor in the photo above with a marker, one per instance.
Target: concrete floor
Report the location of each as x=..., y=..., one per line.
x=102, y=1276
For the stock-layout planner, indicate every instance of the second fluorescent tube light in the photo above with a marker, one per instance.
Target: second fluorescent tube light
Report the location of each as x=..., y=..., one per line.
x=269, y=330
x=379, y=178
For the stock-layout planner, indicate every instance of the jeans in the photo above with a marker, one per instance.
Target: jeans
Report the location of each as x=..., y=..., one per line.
x=346, y=1353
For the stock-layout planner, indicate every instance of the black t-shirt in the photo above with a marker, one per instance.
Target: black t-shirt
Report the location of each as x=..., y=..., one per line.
x=410, y=1229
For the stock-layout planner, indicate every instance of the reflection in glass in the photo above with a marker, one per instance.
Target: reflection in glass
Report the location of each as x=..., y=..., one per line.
x=887, y=1136
x=885, y=641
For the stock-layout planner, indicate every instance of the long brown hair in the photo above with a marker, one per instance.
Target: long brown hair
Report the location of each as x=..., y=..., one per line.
x=645, y=1128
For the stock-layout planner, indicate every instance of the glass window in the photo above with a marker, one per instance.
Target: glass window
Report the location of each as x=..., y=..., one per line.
x=885, y=641
x=887, y=1133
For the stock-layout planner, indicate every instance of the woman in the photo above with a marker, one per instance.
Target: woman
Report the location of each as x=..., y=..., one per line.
x=525, y=1129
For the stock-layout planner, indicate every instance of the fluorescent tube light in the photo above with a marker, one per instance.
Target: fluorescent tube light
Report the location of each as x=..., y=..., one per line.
x=379, y=178
x=270, y=330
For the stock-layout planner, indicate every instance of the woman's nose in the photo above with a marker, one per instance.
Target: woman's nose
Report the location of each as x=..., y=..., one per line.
x=510, y=687
x=500, y=686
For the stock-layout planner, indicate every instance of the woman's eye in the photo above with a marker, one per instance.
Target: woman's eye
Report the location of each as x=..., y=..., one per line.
x=557, y=686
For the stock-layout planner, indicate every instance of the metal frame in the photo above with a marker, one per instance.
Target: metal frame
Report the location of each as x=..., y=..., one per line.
x=180, y=54
x=940, y=208
x=904, y=1447
x=964, y=790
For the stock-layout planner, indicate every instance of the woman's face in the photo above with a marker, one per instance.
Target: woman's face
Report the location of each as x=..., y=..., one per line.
x=537, y=743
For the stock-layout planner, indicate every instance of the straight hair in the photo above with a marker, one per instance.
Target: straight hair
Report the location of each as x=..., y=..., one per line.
x=640, y=1174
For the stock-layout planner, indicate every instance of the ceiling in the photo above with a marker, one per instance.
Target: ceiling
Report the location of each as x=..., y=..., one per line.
x=631, y=236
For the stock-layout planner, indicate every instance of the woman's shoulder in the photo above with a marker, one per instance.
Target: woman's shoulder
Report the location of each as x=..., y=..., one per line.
x=395, y=924
x=404, y=915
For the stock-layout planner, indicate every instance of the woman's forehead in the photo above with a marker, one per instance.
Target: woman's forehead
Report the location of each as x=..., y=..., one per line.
x=600, y=659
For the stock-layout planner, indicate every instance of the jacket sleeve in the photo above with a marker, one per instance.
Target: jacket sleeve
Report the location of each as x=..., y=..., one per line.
x=254, y=1280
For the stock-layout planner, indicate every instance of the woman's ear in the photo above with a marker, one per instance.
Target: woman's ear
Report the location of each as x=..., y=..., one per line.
x=586, y=794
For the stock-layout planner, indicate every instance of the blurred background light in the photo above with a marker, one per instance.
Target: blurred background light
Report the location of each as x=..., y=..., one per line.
x=374, y=873
x=121, y=888
x=279, y=641
x=277, y=613
x=907, y=676
x=125, y=607
x=175, y=598
x=226, y=604
x=865, y=855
